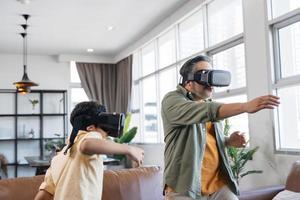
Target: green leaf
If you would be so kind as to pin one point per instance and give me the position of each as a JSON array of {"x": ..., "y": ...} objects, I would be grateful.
[
  {"x": 226, "y": 127},
  {"x": 119, "y": 157},
  {"x": 251, "y": 172},
  {"x": 238, "y": 157},
  {"x": 127, "y": 122},
  {"x": 128, "y": 136}
]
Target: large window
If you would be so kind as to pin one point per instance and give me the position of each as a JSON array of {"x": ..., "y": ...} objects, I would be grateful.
[
  {"x": 148, "y": 59},
  {"x": 156, "y": 65},
  {"x": 281, "y": 7},
  {"x": 289, "y": 43},
  {"x": 286, "y": 84},
  {"x": 191, "y": 35},
  {"x": 233, "y": 60},
  {"x": 240, "y": 122},
  {"x": 225, "y": 20},
  {"x": 76, "y": 91},
  {"x": 167, "y": 49}
]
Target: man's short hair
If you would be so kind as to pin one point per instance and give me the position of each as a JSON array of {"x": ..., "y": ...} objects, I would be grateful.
[{"x": 188, "y": 66}]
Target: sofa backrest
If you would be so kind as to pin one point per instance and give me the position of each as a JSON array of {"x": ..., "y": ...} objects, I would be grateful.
[
  {"x": 20, "y": 188},
  {"x": 293, "y": 179},
  {"x": 143, "y": 183}
]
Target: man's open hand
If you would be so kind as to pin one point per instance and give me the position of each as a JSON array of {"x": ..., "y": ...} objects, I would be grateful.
[{"x": 262, "y": 102}]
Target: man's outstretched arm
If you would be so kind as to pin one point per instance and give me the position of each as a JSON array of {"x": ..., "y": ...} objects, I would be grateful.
[{"x": 257, "y": 104}]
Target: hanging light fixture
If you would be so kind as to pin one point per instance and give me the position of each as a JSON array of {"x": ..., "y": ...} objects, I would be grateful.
[{"x": 24, "y": 85}]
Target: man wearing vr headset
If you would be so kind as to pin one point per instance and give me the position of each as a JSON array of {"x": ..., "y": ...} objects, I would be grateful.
[
  {"x": 196, "y": 164},
  {"x": 77, "y": 171}
]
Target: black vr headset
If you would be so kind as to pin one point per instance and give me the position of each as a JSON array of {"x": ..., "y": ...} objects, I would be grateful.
[
  {"x": 218, "y": 78},
  {"x": 113, "y": 123}
]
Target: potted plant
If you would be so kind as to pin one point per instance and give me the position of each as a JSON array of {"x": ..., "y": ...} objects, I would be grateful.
[
  {"x": 33, "y": 102},
  {"x": 239, "y": 157},
  {"x": 127, "y": 137}
]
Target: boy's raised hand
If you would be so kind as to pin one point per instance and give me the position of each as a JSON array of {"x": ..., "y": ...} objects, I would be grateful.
[{"x": 136, "y": 154}]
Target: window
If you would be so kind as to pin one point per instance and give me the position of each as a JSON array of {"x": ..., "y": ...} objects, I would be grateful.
[
  {"x": 167, "y": 81},
  {"x": 289, "y": 43},
  {"x": 191, "y": 35},
  {"x": 289, "y": 117},
  {"x": 150, "y": 109},
  {"x": 166, "y": 47},
  {"x": 156, "y": 65},
  {"x": 286, "y": 83},
  {"x": 280, "y": 7},
  {"x": 148, "y": 59},
  {"x": 135, "y": 98},
  {"x": 225, "y": 20},
  {"x": 233, "y": 60},
  {"x": 240, "y": 122},
  {"x": 74, "y": 74},
  {"x": 77, "y": 93}
]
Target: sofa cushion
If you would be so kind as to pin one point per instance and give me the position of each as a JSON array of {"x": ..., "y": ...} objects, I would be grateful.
[
  {"x": 133, "y": 184},
  {"x": 287, "y": 195},
  {"x": 20, "y": 188}
]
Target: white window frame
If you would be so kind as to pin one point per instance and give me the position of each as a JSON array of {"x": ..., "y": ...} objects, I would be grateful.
[{"x": 274, "y": 25}]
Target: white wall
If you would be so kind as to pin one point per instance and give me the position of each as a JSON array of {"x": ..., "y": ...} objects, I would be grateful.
[{"x": 45, "y": 70}]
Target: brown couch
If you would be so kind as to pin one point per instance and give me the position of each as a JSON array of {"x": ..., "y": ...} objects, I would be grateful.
[
  {"x": 268, "y": 193},
  {"x": 129, "y": 184}
]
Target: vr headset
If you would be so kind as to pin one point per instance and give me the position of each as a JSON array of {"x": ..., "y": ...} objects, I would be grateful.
[
  {"x": 218, "y": 78},
  {"x": 112, "y": 123}
]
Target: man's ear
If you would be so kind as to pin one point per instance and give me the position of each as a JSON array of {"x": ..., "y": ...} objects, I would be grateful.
[{"x": 188, "y": 84}]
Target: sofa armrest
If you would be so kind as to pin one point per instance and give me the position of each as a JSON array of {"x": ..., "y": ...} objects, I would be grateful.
[{"x": 266, "y": 193}]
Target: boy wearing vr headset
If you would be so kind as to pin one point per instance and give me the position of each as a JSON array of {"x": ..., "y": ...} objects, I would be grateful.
[
  {"x": 196, "y": 164},
  {"x": 77, "y": 171}
]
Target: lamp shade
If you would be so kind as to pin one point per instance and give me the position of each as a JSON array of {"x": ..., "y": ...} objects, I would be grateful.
[{"x": 24, "y": 86}]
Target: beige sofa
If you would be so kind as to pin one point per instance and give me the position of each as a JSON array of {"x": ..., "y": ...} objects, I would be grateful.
[{"x": 143, "y": 183}]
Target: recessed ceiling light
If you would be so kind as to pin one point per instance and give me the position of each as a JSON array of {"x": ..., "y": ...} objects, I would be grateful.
[
  {"x": 24, "y": 1},
  {"x": 90, "y": 50},
  {"x": 110, "y": 28}
]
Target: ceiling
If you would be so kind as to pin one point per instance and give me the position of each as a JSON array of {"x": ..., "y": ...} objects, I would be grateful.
[{"x": 71, "y": 26}]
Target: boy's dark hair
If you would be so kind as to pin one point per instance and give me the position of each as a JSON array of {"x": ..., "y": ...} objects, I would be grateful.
[
  {"x": 82, "y": 117},
  {"x": 188, "y": 66}
]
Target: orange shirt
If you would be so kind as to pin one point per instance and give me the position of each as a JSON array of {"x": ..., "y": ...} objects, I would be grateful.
[{"x": 212, "y": 179}]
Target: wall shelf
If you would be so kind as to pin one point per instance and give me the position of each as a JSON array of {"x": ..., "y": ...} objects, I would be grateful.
[{"x": 25, "y": 128}]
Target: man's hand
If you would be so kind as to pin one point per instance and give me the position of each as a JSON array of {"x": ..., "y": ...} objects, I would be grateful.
[
  {"x": 257, "y": 104},
  {"x": 136, "y": 154},
  {"x": 262, "y": 102},
  {"x": 236, "y": 139}
]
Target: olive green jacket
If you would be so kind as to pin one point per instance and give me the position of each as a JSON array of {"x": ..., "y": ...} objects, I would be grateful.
[{"x": 185, "y": 138}]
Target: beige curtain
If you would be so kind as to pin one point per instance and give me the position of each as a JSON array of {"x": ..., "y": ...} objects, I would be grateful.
[
  {"x": 110, "y": 84},
  {"x": 124, "y": 83}
]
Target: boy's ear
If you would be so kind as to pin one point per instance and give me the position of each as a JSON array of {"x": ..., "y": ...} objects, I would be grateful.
[{"x": 91, "y": 128}]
